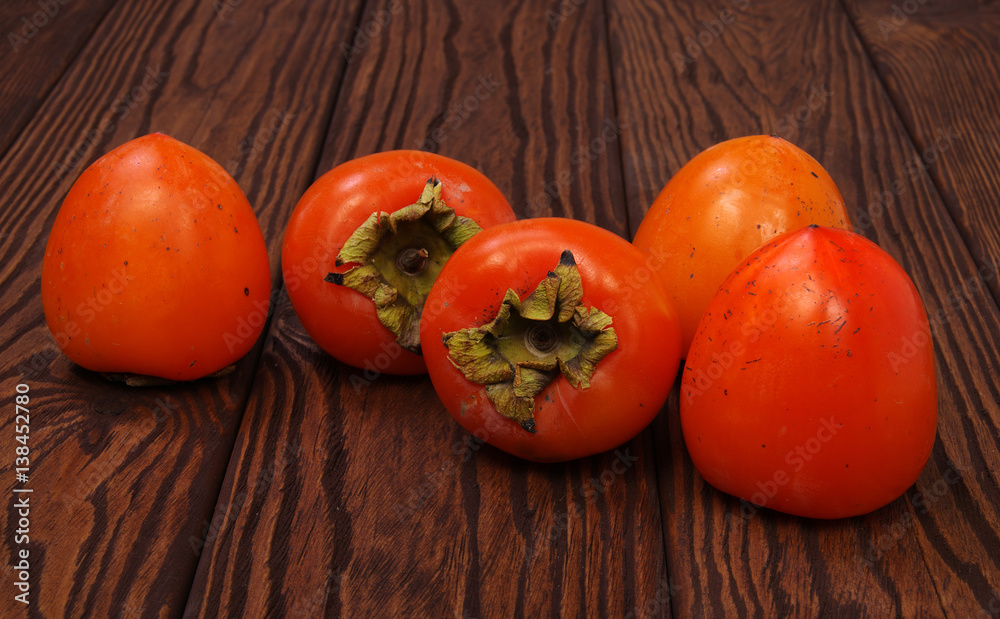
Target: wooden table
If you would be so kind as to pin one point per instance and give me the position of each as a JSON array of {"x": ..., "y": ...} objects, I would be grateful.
[{"x": 284, "y": 490}]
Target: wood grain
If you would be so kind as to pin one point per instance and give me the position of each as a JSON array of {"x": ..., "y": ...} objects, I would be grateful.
[
  {"x": 299, "y": 487},
  {"x": 42, "y": 39},
  {"x": 935, "y": 58},
  {"x": 390, "y": 506},
  {"x": 751, "y": 69},
  {"x": 125, "y": 480}
]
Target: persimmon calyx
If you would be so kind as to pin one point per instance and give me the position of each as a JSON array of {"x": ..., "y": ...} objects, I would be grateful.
[
  {"x": 533, "y": 341},
  {"x": 397, "y": 256}
]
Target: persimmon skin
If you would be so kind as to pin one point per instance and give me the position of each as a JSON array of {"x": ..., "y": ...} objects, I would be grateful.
[
  {"x": 342, "y": 321},
  {"x": 156, "y": 265},
  {"x": 629, "y": 386},
  {"x": 726, "y": 202},
  {"x": 810, "y": 387}
]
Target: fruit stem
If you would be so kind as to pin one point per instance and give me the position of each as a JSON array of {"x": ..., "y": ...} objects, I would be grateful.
[{"x": 532, "y": 341}]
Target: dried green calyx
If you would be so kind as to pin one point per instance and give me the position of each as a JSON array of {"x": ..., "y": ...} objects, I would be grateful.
[
  {"x": 398, "y": 256},
  {"x": 532, "y": 341}
]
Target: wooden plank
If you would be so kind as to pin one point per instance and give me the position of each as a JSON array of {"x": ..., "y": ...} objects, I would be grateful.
[
  {"x": 382, "y": 505},
  {"x": 125, "y": 480},
  {"x": 691, "y": 74},
  {"x": 938, "y": 61},
  {"x": 42, "y": 39}
]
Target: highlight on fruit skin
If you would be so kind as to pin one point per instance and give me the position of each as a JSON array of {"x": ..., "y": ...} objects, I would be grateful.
[
  {"x": 724, "y": 203},
  {"x": 365, "y": 243},
  {"x": 810, "y": 387},
  {"x": 155, "y": 269},
  {"x": 550, "y": 348}
]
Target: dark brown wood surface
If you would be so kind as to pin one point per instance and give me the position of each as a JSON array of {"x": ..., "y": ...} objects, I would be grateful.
[
  {"x": 113, "y": 468},
  {"x": 901, "y": 558},
  {"x": 292, "y": 488},
  {"x": 42, "y": 40}
]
